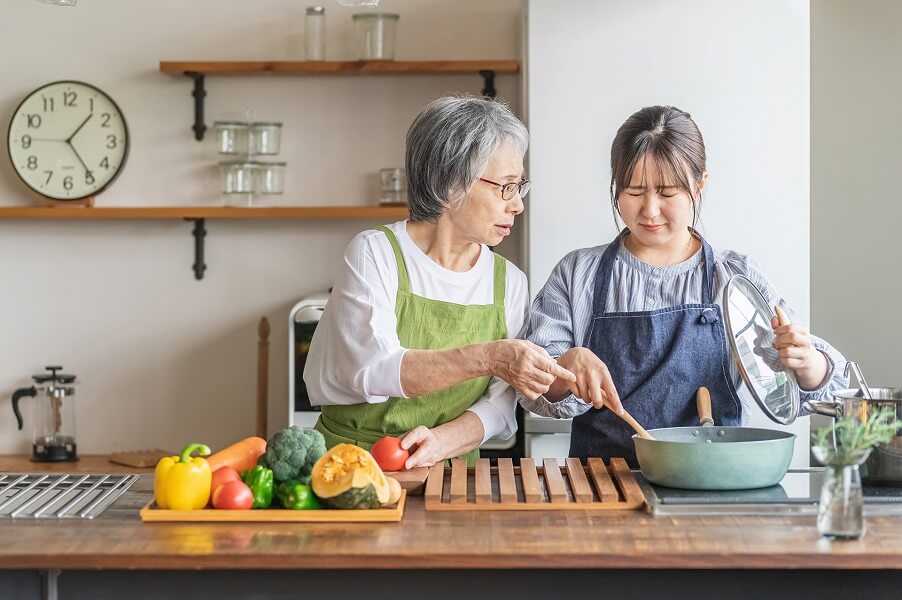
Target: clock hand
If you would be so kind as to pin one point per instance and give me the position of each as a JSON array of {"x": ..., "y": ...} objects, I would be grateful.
[
  {"x": 78, "y": 156},
  {"x": 34, "y": 139},
  {"x": 69, "y": 139}
]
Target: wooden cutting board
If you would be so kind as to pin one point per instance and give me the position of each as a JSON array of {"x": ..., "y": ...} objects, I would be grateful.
[
  {"x": 150, "y": 513},
  {"x": 413, "y": 480},
  {"x": 140, "y": 458},
  {"x": 574, "y": 486}
]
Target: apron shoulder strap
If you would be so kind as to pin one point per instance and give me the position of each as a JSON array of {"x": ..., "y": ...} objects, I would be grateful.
[
  {"x": 403, "y": 279},
  {"x": 500, "y": 279},
  {"x": 708, "y": 283},
  {"x": 603, "y": 275}
]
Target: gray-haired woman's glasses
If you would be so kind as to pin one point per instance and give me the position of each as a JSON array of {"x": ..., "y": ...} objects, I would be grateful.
[{"x": 509, "y": 189}]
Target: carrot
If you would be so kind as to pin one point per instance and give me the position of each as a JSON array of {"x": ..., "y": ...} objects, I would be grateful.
[{"x": 241, "y": 455}]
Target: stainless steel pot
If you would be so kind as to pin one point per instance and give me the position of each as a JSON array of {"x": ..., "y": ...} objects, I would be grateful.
[{"x": 884, "y": 465}]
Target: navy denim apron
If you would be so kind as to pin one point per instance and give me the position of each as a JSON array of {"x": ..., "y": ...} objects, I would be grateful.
[{"x": 658, "y": 359}]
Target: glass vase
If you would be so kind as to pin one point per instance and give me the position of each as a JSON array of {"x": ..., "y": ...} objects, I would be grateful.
[{"x": 840, "y": 511}]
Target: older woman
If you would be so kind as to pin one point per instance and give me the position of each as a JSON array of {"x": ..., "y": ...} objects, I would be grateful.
[{"x": 413, "y": 340}]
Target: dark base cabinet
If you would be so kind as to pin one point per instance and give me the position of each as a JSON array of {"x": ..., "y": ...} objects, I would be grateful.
[{"x": 437, "y": 584}]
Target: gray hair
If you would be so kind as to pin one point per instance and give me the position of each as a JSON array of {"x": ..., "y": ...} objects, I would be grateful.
[{"x": 449, "y": 145}]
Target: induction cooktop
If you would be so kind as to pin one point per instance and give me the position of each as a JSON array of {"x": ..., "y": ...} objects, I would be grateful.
[{"x": 797, "y": 493}]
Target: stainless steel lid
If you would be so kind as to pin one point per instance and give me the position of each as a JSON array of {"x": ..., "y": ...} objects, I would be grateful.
[{"x": 751, "y": 337}]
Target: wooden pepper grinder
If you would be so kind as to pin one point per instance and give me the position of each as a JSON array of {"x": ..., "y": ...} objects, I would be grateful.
[{"x": 262, "y": 376}]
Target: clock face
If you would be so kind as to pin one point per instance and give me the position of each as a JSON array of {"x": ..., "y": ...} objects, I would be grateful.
[{"x": 68, "y": 140}]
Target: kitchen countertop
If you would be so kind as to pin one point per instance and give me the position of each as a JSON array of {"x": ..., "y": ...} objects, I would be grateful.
[{"x": 471, "y": 540}]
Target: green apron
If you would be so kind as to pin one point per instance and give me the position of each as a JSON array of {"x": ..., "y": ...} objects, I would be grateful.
[{"x": 423, "y": 324}]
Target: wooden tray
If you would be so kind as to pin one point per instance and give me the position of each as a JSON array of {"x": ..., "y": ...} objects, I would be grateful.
[
  {"x": 151, "y": 513},
  {"x": 549, "y": 487}
]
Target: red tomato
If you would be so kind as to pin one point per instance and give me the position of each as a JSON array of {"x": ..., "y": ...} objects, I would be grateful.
[
  {"x": 389, "y": 454},
  {"x": 234, "y": 495},
  {"x": 223, "y": 475}
]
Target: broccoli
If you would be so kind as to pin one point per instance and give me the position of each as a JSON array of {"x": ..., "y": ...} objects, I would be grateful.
[{"x": 292, "y": 452}]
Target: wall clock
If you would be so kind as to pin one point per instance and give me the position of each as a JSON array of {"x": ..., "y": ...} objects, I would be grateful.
[{"x": 68, "y": 140}]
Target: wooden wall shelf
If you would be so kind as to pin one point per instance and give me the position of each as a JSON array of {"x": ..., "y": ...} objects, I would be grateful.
[
  {"x": 199, "y": 214},
  {"x": 204, "y": 212},
  {"x": 357, "y": 67},
  {"x": 198, "y": 70}
]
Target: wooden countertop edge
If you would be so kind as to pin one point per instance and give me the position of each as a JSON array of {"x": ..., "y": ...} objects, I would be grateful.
[{"x": 774, "y": 561}]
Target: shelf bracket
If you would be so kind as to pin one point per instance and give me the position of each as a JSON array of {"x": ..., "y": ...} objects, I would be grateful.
[
  {"x": 488, "y": 84},
  {"x": 199, "y": 94},
  {"x": 199, "y": 232}
]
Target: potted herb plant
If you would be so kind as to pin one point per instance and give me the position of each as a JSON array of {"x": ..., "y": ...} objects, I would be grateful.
[{"x": 842, "y": 448}]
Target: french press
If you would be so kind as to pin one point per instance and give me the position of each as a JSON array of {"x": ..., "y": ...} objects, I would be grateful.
[{"x": 54, "y": 415}]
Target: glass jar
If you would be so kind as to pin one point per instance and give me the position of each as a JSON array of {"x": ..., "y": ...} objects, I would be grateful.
[
  {"x": 315, "y": 33},
  {"x": 231, "y": 137},
  {"x": 237, "y": 177},
  {"x": 840, "y": 510},
  {"x": 392, "y": 186},
  {"x": 265, "y": 137},
  {"x": 270, "y": 178},
  {"x": 375, "y": 34}
]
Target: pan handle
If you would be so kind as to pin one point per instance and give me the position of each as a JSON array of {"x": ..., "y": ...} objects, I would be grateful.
[
  {"x": 828, "y": 409},
  {"x": 703, "y": 404}
]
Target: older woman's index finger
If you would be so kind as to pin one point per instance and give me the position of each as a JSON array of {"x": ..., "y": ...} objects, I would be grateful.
[{"x": 561, "y": 373}]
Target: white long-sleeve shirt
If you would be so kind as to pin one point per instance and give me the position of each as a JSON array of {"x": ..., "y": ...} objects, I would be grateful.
[{"x": 355, "y": 356}]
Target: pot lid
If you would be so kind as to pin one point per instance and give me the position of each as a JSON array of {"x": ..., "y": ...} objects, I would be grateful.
[
  {"x": 751, "y": 337},
  {"x": 53, "y": 376}
]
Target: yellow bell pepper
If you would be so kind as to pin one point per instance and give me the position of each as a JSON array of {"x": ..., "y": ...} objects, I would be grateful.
[{"x": 183, "y": 482}]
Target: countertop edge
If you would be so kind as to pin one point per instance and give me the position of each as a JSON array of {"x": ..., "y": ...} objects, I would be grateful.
[{"x": 703, "y": 561}]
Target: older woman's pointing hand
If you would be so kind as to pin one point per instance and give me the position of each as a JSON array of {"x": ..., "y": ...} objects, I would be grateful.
[{"x": 528, "y": 368}]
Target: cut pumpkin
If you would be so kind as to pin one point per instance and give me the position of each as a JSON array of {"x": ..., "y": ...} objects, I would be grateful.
[
  {"x": 394, "y": 487},
  {"x": 347, "y": 476}
]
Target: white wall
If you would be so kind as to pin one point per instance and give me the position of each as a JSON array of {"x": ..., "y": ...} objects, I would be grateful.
[
  {"x": 740, "y": 68},
  {"x": 855, "y": 208},
  {"x": 164, "y": 359}
]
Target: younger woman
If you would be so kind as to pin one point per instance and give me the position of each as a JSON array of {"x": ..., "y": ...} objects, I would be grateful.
[{"x": 638, "y": 321}]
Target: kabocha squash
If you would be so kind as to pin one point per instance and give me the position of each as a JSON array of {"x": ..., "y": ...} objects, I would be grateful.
[
  {"x": 347, "y": 476},
  {"x": 394, "y": 487}
]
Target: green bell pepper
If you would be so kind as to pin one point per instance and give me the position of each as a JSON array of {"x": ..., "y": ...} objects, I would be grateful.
[
  {"x": 297, "y": 496},
  {"x": 260, "y": 480}
]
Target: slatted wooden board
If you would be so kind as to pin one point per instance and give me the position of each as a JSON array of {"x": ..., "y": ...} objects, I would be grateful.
[{"x": 573, "y": 486}]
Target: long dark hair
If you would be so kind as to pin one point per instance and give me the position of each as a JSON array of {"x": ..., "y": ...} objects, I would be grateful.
[{"x": 666, "y": 135}]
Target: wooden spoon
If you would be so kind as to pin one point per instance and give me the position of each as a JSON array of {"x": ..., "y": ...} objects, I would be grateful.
[{"x": 628, "y": 418}]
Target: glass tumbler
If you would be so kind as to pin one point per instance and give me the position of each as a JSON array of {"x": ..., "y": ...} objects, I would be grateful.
[{"x": 375, "y": 34}]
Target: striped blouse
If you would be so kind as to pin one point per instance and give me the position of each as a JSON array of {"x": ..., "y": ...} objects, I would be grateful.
[{"x": 562, "y": 311}]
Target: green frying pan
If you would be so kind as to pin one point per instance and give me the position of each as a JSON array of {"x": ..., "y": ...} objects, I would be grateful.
[{"x": 708, "y": 457}]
